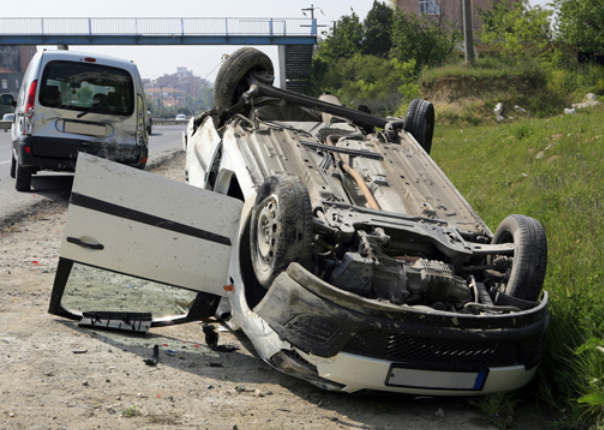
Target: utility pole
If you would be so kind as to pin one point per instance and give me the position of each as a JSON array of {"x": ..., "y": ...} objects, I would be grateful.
[
  {"x": 161, "y": 95},
  {"x": 312, "y": 11},
  {"x": 467, "y": 30}
]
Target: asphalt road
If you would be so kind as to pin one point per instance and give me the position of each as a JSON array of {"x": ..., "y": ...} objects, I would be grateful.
[{"x": 56, "y": 186}]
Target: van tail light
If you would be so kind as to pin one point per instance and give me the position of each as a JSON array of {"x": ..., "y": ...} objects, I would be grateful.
[{"x": 29, "y": 108}]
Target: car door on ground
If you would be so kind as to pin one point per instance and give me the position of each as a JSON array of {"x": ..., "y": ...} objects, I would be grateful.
[{"x": 137, "y": 242}]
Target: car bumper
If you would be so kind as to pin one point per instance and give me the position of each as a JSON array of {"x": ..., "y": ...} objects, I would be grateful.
[
  {"x": 51, "y": 153},
  {"x": 355, "y": 373},
  {"x": 358, "y": 343}
]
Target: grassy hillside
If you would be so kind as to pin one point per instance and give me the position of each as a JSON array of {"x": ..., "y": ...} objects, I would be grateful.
[
  {"x": 468, "y": 93},
  {"x": 552, "y": 170}
]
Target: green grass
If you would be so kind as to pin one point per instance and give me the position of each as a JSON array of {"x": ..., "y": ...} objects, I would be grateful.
[
  {"x": 496, "y": 168},
  {"x": 484, "y": 68},
  {"x": 131, "y": 412},
  {"x": 497, "y": 408}
]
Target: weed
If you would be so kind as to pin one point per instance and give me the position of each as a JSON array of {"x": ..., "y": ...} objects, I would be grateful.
[
  {"x": 498, "y": 408},
  {"x": 521, "y": 130},
  {"x": 131, "y": 412},
  {"x": 385, "y": 408}
]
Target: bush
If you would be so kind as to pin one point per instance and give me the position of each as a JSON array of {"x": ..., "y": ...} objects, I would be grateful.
[{"x": 376, "y": 82}]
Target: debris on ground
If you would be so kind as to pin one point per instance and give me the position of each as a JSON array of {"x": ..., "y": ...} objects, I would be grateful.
[
  {"x": 499, "y": 112},
  {"x": 211, "y": 335},
  {"x": 590, "y": 101},
  {"x": 520, "y": 109},
  {"x": 212, "y": 340},
  {"x": 153, "y": 360}
]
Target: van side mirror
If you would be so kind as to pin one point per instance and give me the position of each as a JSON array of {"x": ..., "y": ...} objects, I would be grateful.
[{"x": 7, "y": 99}]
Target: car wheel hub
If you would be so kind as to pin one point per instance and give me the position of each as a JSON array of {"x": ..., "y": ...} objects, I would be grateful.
[{"x": 267, "y": 228}]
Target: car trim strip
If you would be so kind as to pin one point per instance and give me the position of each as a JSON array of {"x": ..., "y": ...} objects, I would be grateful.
[{"x": 134, "y": 215}]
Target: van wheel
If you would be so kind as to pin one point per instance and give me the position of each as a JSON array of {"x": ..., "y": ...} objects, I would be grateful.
[
  {"x": 23, "y": 178},
  {"x": 527, "y": 267},
  {"x": 281, "y": 228},
  {"x": 13, "y": 166},
  {"x": 231, "y": 80},
  {"x": 420, "y": 123}
]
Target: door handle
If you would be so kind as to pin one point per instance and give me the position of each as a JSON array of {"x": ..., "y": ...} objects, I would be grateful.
[{"x": 76, "y": 241}]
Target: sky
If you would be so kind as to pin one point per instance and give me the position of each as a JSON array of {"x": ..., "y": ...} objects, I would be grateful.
[{"x": 155, "y": 61}]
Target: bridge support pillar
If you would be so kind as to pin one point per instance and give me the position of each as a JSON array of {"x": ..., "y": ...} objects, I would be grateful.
[
  {"x": 62, "y": 47},
  {"x": 282, "y": 80}
]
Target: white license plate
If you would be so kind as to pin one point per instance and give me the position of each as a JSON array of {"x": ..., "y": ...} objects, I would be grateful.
[
  {"x": 87, "y": 129},
  {"x": 436, "y": 379}
]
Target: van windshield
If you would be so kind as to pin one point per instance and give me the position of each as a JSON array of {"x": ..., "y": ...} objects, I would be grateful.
[{"x": 82, "y": 86}]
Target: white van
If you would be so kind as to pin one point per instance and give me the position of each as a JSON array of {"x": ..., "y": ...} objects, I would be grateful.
[{"x": 72, "y": 102}]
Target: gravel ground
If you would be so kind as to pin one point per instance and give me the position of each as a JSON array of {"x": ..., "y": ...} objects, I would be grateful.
[{"x": 55, "y": 375}]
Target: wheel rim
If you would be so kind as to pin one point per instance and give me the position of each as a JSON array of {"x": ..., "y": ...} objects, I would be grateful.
[{"x": 267, "y": 228}]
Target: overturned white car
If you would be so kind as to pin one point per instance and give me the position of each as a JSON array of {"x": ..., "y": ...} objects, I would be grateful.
[{"x": 343, "y": 252}]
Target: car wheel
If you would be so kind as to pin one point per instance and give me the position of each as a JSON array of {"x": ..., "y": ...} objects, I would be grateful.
[
  {"x": 230, "y": 81},
  {"x": 281, "y": 229},
  {"x": 420, "y": 122},
  {"x": 23, "y": 178},
  {"x": 13, "y": 166},
  {"x": 527, "y": 267}
]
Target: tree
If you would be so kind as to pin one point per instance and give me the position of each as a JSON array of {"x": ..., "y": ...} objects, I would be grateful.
[
  {"x": 421, "y": 39},
  {"x": 346, "y": 39},
  {"x": 581, "y": 23},
  {"x": 376, "y": 82},
  {"x": 376, "y": 30},
  {"x": 516, "y": 29}
]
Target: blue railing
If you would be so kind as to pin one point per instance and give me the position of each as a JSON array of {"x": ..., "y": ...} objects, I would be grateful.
[{"x": 53, "y": 28}]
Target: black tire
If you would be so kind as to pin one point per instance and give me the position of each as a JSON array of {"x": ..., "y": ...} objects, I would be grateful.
[
  {"x": 420, "y": 123},
  {"x": 23, "y": 178},
  {"x": 281, "y": 229},
  {"x": 13, "y": 166},
  {"x": 231, "y": 80},
  {"x": 530, "y": 255}
]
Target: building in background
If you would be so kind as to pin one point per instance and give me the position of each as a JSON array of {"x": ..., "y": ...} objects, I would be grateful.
[
  {"x": 446, "y": 12},
  {"x": 13, "y": 63},
  {"x": 180, "y": 90}
]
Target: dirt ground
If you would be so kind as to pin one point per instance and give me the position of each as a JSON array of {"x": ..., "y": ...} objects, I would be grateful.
[{"x": 55, "y": 375}]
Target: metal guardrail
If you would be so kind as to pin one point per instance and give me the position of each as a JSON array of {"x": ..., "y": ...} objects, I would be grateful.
[
  {"x": 160, "y": 121},
  {"x": 175, "y": 27}
]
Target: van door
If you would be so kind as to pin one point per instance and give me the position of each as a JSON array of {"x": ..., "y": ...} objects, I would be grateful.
[{"x": 136, "y": 243}]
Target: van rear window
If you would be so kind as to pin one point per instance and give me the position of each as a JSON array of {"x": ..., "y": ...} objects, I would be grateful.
[{"x": 83, "y": 86}]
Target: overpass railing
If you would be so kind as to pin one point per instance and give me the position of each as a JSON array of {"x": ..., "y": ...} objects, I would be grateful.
[{"x": 181, "y": 27}]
